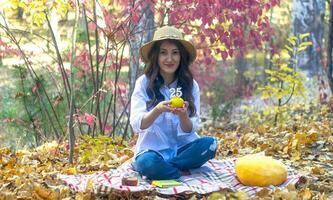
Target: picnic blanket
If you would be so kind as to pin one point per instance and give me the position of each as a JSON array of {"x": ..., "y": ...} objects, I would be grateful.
[{"x": 215, "y": 175}]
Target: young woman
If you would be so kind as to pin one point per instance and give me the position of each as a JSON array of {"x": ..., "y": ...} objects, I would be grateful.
[{"x": 168, "y": 145}]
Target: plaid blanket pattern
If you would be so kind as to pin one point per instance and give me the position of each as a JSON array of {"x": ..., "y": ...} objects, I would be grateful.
[{"x": 215, "y": 175}]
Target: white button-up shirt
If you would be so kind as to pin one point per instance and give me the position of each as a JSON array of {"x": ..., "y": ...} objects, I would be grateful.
[{"x": 165, "y": 134}]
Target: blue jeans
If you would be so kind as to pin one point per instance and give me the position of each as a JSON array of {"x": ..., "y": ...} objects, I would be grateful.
[{"x": 193, "y": 155}]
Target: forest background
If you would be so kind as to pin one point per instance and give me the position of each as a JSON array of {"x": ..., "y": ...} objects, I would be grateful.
[{"x": 68, "y": 69}]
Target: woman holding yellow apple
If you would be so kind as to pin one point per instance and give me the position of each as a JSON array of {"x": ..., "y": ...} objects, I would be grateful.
[{"x": 165, "y": 110}]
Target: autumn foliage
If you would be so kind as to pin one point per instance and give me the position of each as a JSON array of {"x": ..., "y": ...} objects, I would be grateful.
[{"x": 90, "y": 74}]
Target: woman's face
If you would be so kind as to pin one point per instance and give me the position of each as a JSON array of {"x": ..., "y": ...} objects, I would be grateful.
[{"x": 168, "y": 58}]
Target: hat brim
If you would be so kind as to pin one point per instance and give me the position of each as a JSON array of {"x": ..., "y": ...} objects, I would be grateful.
[{"x": 145, "y": 49}]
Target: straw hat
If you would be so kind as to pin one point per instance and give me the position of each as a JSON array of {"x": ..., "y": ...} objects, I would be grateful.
[{"x": 163, "y": 33}]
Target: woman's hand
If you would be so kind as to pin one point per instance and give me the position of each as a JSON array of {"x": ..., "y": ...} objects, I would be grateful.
[
  {"x": 163, "y": 106},
  {"x": 181, "y": 112}
]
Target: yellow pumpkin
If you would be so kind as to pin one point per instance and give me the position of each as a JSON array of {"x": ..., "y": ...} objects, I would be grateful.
[
  {"x": 259, "y": 170},
  {"x": 176, "y": 102}
]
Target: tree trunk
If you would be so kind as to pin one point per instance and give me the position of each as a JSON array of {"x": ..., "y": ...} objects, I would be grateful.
[
  {"x": 241, "y": 80},
  {"x": 0, "y": 54},
  {"x": 142, "y": 33},
  {"x": 308, "y": 17},
  {"x": 2, "y": 16},
  {"x": 20, "y": 12},
  {"x": 55, "y": 29},
  {"x": 330, "y": 49}
]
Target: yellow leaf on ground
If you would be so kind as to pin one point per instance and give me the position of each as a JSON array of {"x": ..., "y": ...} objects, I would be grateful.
[
  {"x": 7, "y": 196},
  {"x": 318, "y": 170},
  {"x": 262, "y": 129},
  {"x": 45, "y": 193},
  {"x": 83, "y": 196},
  {"x": 305, "y": 193},
  {"x": 71, "y": 171}
]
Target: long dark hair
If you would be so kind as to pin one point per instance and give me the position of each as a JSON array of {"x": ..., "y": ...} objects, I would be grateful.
[{"x": 156, "y": 81}]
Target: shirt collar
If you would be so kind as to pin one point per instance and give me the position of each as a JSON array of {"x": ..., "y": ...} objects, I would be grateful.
[{"x": 173, "y": 84}]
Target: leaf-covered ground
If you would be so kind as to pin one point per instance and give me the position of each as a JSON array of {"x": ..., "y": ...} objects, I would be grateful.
[{"x": 305, "y": 143}]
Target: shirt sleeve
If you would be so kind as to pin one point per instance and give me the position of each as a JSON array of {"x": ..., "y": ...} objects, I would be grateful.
[
  {"x": 195, "y": 119},
  {"x": 138, "y": 105}
]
